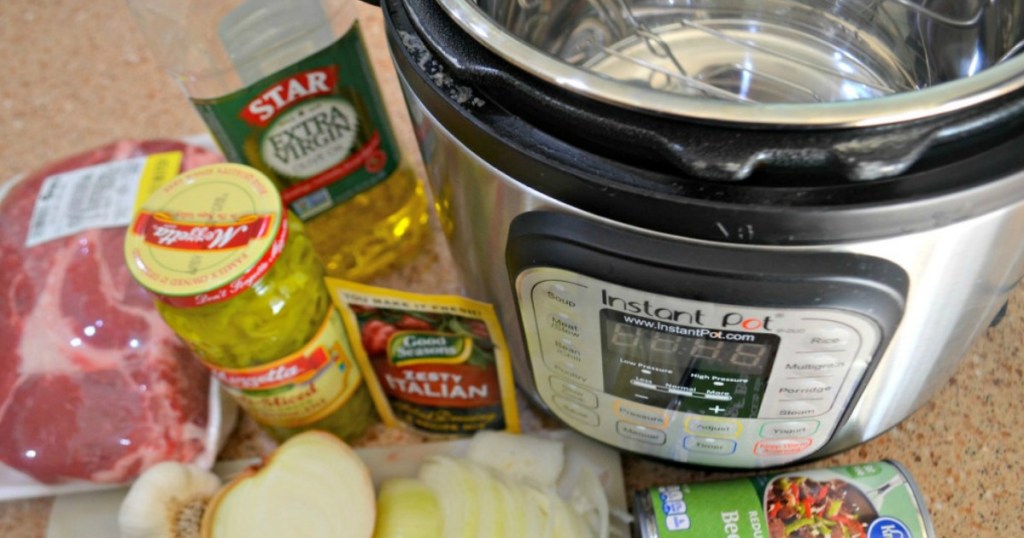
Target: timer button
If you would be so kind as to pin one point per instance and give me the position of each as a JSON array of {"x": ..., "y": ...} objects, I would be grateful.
[{"x": 709, "y": 445}]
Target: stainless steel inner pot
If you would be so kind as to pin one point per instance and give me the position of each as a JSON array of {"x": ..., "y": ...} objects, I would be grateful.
[{"x": 838, "y": 63}]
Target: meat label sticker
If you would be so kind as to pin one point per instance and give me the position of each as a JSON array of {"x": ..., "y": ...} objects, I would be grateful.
[
  {"x": 437, "y": 365},
  {"x": 100, "y": 196}
]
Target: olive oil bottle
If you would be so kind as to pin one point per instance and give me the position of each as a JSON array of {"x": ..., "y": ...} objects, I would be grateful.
[{"x": 287, "y": 87}]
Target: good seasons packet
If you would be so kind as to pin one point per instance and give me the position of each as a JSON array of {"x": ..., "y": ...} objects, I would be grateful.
[{"x": 439, "y": 363}]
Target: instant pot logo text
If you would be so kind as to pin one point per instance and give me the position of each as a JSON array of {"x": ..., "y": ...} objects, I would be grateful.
[{"x": 729, "y": 320}]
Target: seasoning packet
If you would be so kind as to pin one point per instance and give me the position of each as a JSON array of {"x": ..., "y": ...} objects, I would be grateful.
[{"x": 435, "y": 364}]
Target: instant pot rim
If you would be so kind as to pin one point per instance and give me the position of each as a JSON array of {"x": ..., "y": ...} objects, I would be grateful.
[{"x": 901, "y": 108}]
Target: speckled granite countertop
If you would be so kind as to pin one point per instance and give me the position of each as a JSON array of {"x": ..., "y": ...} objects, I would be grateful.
[{"x": 77, "y": 75}]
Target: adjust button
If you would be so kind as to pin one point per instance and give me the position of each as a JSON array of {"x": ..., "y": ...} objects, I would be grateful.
[{"x": 713, "y": 427}]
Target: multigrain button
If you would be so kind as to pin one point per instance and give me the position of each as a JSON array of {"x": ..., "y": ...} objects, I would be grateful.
[{"x": 815, "y": 365}]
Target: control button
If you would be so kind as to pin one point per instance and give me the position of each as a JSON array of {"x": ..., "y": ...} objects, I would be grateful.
[
  {"x": 708, "y": 445},
  {"x": 802, "y": 408},
  {"x": 789, "y": 429},
  {"x": 713, "y": 427},
  {"x": 569, "y": 369},
  {"x": 640, "y": 433},
  {"x": 559, "y": 294},
  {"x": 655, "y": 418},
  {"x": 808, "y": 389},
  {"x": 563, "y": 323},
  {"x": 574, "y": 392},
  {"x": 816, "y": 365},
  {"x": 834, "y": 338},
  {"x": 576, "y": 412},
  {"x": 782, "y": 447},
  {"x": 568, "y": 349}
]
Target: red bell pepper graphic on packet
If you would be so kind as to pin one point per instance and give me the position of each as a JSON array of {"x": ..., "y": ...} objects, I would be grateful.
[{"x": 440, "y": 362}]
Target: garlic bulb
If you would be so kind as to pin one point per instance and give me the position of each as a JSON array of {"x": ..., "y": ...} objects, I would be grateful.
[{"x": 167, "y": 501}]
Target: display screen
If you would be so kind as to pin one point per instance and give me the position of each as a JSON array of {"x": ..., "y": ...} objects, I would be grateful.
[{"x": 694, "y": 369}]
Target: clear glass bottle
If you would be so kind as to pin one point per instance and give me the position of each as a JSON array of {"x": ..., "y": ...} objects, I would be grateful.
[{"x": 286, "y": 86}]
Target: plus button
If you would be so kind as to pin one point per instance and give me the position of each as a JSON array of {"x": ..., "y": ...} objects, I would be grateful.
[{"x": 716, "y": 409}]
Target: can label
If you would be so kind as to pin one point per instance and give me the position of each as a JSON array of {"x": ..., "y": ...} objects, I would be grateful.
[
  {"x": 300, "y": 388},
  {"x": 318, "y": 128},
  {"x": 873, "y": 500}
]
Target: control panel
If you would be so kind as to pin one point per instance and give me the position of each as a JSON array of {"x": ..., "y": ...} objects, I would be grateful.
[{"x": 692, "y": 381}]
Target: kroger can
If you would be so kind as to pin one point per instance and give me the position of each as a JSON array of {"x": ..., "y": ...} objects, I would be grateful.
[{"x": 869, "y": 500}]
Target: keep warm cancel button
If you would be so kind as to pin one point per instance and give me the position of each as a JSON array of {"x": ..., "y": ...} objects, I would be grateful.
[{"x": 782, "y": 447}]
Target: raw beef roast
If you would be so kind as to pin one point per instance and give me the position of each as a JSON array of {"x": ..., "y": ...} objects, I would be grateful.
[{"x": 93, "y": 385}]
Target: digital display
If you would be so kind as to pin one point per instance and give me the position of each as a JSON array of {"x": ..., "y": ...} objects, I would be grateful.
[{"x": 695, "y": 369}]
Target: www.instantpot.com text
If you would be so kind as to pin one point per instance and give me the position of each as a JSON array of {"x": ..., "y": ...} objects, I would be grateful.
[{"x": 698, "y": 332}]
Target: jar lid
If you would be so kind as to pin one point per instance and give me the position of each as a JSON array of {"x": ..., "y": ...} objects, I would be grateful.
[{"x": 207, "y": 235}]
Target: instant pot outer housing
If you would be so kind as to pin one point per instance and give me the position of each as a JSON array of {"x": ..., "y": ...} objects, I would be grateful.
[{"x": 878, "y": 193}]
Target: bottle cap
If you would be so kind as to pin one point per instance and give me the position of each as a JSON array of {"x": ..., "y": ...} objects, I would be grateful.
[{"x": 207, "y": 235}]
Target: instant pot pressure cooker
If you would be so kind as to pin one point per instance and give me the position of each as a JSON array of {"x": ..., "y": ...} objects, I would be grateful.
[{"x": 726, "y": 233}]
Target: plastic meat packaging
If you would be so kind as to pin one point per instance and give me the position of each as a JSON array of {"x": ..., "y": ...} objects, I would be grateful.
[{"x": 94, "y": 387}]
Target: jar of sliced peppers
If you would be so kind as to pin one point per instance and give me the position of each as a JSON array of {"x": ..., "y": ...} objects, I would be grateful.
[{"x": 236, "y": 277}]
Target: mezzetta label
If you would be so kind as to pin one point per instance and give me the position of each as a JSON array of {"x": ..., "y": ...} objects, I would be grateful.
[{"x": 300, "y": 388}]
